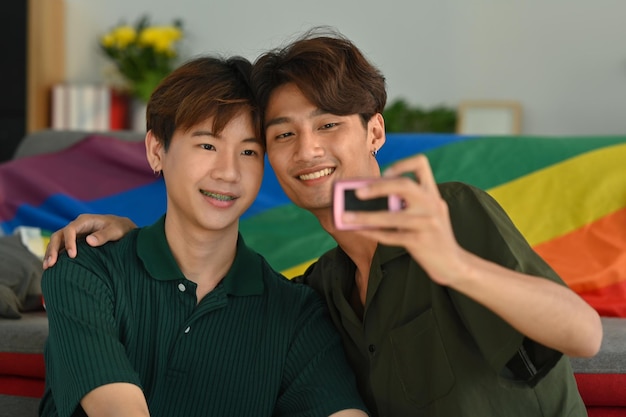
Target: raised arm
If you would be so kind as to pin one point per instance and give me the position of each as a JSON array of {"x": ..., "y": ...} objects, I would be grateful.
[
  {"x": 540, "y": 308},
  {"x": 98, "y": 228}
]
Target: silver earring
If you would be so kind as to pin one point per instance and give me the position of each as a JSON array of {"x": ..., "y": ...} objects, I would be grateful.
[{"x": 374, "y": 153}]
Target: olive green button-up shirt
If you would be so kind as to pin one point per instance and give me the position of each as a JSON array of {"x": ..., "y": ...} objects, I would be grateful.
[{"x": 422, "y": 349}]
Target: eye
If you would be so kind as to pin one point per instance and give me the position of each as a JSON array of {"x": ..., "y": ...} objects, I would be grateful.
[
  {"x": 207, "y": 146},
  {"x": 250, "y": 152},
  {"x": 284, "y": 135},
  {"x": 329, "y": 125}
]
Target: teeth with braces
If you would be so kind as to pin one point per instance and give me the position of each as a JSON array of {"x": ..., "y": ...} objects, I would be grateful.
[{"x": 220, "y": 197}]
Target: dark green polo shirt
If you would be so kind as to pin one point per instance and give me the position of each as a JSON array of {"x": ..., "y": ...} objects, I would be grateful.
[
  {"x": 425, "y": 350},
  {"x": 257, "y": 345}
]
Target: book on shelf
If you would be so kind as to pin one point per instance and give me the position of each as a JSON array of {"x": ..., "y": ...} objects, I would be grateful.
[{"x": 88, "y": 107}]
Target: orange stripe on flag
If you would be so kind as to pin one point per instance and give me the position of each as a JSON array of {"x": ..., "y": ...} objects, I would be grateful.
[{"x": 591, "y": 257}]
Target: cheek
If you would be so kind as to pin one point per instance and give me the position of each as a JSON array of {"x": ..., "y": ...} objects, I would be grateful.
[
  {"x": 278, "y": 152},
  {"x": 254, "y": 172},
  {"x": 274, "y": 159},
  {"x": 279, "y": 162}
]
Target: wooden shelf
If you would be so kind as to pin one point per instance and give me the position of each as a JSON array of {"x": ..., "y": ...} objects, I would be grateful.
[{"x": 45, "y": 59}]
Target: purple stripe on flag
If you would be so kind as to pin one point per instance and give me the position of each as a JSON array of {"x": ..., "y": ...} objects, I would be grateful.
[{"x": 93, "y": 168}]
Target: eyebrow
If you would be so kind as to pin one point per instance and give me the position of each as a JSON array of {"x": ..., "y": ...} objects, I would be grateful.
[
  {"x": 211, "y": 134},
  {"x": 281, "y": 120},
  {"x": 204, "y": 133}
]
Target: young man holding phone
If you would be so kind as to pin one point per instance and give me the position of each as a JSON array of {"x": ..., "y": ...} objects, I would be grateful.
[{"x": 443, "y": 307}]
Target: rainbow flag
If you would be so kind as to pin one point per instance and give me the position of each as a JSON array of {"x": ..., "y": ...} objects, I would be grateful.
[{"x": 567, "y": 195}]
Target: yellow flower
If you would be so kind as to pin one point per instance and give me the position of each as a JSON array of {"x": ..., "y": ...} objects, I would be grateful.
[
  {"x": 120, "y": 37},
  {"x": 143, "y": 54},
  {"x": 161, "y": 38}
]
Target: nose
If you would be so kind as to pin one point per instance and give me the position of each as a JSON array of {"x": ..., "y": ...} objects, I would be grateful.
[
  {"x": 226, "y": 168},
  {"x": 309, "y": 146}
]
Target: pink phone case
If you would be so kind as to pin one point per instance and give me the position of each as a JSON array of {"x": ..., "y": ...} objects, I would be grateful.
[{"x": 342, "y": 196}]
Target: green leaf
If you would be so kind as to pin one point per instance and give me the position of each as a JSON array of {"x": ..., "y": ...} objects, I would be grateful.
[
  {"x": 401, "y": 117},
  {"x": 143, "y": 88}
]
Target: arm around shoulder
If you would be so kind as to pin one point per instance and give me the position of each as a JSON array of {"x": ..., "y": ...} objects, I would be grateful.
[{"x": 98, "y": 229}]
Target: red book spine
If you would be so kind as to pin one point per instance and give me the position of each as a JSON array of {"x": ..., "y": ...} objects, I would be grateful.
[{"x": 119, "y": 110}]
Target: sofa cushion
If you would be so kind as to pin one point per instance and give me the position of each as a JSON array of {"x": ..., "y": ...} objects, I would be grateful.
[
  {"x": 22, "y": 370},
  {"x": 20, "y": 278},
  {"x": 602, "y": 378},
  {"x": 18, "y": 406}
]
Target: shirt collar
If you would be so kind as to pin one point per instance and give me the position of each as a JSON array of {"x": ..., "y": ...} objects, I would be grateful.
[
  {"x": 387, "y": 253},
  {"x": 383, "y": 253},
  {"x": 245, "y": 276}
]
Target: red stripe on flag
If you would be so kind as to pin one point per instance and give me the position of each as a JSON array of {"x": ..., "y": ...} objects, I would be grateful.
[{"x": 608, "y": 301}]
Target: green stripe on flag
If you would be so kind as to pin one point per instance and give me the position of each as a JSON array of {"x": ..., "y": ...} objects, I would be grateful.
[
  {"x": 507, "y": 158},
  {"x": 286, "y": 236}
]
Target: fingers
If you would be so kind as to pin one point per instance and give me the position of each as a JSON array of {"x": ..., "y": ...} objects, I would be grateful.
[
  {"x": 421, "y": 201},
  {"x": 58, "y": 242},
  {"x": 52, "y": 250},
  {"x": 400, "y": 186},
  {"x": 403, "y": 220},
  {"x": 104, "y": 228},
  {"x": 62, "y": 239},
  {"x": 108, "y": 232},
  {"x": 396, "y": 181},
  {"x": 417, "y": 165}
]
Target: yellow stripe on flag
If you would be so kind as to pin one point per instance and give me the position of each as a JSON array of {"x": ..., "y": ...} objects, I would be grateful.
[
  {"x": 566, "y": 196},
  {"x": 297, "y": 270}
]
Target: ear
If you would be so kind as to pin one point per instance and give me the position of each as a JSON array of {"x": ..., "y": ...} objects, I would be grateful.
[
  {"x": 154, "y": 152},
  {"x": 376, "y": 129}
]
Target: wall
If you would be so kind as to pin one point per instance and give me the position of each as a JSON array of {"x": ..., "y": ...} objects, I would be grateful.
[{"x": 564, "y": 60}]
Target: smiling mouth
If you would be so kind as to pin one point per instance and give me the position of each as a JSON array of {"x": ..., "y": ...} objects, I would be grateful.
[
  {"x": 220, "y": 197},
  {"x": 318, "y": 174}
]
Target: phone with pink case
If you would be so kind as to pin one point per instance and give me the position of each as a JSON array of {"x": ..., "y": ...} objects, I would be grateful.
[{"x": 345, "y": 199}]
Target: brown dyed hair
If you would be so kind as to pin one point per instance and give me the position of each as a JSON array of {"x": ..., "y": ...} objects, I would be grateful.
[
  {"x": 329, "y": 69},
  {"x": 201, "y": 88}
]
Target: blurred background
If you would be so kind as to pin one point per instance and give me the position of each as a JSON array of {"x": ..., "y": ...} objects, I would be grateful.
[{"x": 562, "y": 61}]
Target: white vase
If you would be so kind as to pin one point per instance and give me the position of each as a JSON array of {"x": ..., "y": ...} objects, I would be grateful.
[{"x": 138, "y": 115}]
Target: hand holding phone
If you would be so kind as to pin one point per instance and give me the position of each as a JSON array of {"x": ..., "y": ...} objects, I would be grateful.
[{"x": 345, "y": 199}]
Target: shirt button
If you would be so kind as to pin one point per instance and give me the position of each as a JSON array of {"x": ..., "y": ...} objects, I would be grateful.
[
  {"x": 187, "y": 329},
  {"x": 371, "y": 348},
  {"x": 181, "y": 287}
]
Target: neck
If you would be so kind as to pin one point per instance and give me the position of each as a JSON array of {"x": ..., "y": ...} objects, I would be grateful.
[
  {"x": 203, "y": 256},
  {"x": 358, "y": 248}
]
